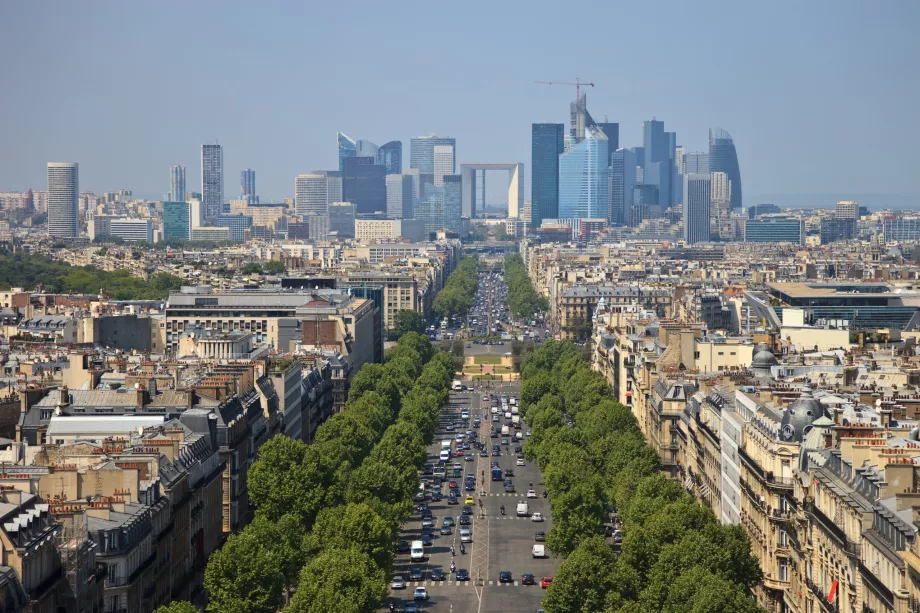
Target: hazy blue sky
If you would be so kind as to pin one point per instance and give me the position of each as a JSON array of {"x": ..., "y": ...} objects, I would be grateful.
[{"x": 820, "y": 96}]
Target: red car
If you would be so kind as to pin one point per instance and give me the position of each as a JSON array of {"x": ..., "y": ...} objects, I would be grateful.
[{"x": 546, "y": 581}]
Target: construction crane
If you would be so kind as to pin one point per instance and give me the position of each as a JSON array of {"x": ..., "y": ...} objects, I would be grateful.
[{"x": 578, "y": 83}]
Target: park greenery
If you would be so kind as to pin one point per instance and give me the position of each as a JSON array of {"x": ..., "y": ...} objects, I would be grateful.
[
  {"x": 675, "y": 558},
  {"x": 33, "y": 271},
  {"x": 523, "y": 299},
  {"x": 406, "y": 321},
  {"x": 327, "y": 515},
  {"x": 456, "y": 297}
]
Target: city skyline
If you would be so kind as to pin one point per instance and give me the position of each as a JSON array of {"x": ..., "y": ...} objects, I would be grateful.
[{"x": 781, "y": 97}]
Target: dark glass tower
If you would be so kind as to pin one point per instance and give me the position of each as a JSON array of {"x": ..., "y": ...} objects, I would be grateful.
[
  {"x": 612, "y": 130},
  {"x": 390, "y": 155},
  {"x": 364, "y": 185},
  {"x": 724, "y": 158},
  {"x": 547, "y": 142}
]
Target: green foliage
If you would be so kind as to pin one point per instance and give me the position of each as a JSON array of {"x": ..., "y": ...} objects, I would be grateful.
[
  {"x": 406, "y": 321},
  {"x": 340, "y": 580},
  {"x": 288, "y": 478},
  {"x": 27, "y": 270},
  {"x": 178, "y": 606},
  {"x": 456, "y": 296},
  {"x": 586, "y": 580},
  {"x": 355, "y": 525},
  {"x": 274, "y": 267},
  {"x": 252, "y": 268},
  {"x": 523, "y": 299}
]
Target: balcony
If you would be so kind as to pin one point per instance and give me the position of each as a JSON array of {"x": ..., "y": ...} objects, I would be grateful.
[
  {"x": 821, "y": 597},
  {"x": 833, "y": 530}
]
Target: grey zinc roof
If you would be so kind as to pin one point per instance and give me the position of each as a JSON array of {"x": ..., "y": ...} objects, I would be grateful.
[{"x": 101, "y": 425}]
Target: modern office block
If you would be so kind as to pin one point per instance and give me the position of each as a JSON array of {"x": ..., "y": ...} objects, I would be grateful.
[
  {"x": 583, "y": 178},
  {"x": 721, "y": 187},
  {"x": 248, "y": 186},
  {"x": 364, "y": 184},
  {"x": 347, "y": 148},
  {"x": 211, "y": 234},
  {"x": 444, "y": 163},
  {"x": 696, "y": 199},
  {"x": 762, "y": 209},
  {"x": 431, "y": 208},
  {"x": 847, "y": 209},
  {"x": 696, "y": 163},
  {"x": 342, "y": 219},
  {"x": 132, "y": 230},
  {"x": 659, "y": 167},
  {"x": 622, "y": 183},
  {"x": 612, "y": 131},
  {"x": 453, "y": 199},
  {"x": 901, "y": 229},
  {"x": 390, "y": 155},
  {"x": 177, "y": 221},
  {"x": 238, "y": 224},
  {"x": 63, "y": 190},
  {"x": 775, "y": 229},
  {"x": 724, "y": 158},
  {"x": 310, "y": 194},
  {"x": 399, "y": 196},
  {"x": 547, "y": 144},
  {"x": 365, "y": 148},
  {"x": 421, "y": 154},
  {"x": 835, "y": 229},
  {"x": 212, "y": 181},
  {"x": 177, "y": 183}
]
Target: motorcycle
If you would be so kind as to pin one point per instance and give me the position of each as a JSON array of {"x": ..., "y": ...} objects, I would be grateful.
[
  {"x": 544, "y": 494},
  {"x": 453, "y": 566},
  {"x": 462, "y": 548},
  {"x": 503, "y": 509}
]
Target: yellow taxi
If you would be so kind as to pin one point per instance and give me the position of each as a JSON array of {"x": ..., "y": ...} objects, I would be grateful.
[{"x": 469, "y": 500}]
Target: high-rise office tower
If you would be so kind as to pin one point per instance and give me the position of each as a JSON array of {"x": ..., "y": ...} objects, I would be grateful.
[
  {"x": 847, "y": 209},
  {"x": 679, "y": 159},
  {"x": 612, "y": 131},
  {"x": 63, "y": 189},
  {"x": 364, "y": 184},
  {"x": 696, "y": 163},
  {"x": 334, "y": 185},
  {"x": 583, "y": 178},
  {"x": 721, "y": 187},
  {"x": 416, "y": 176},
  {"x": 347, "y": 148},
  {"x": 366, "y": 148},
  {"x": 421, "y": 154},
  {"x": 453, "y": 202},
  {"x": 177, "y": 221},
  {"x": 431, "y": 208},
  {"x": 696, "y": 199},
  {"x": 444, "y": 163},
  {"x": 659, "y": 167},
  {"x": 622, "y": 183},
  {"x": 177, "y": 183},
  {"x": 311, "y": 194},
  {"x": 579, "y": 119},
  {"x": 546, "y": 145},
  {"x": 390, "y": 155},
  {"x": 248, "y": 186},
  {"x": 724, "y": 158},
  {"x": 212, "y": 182},
  {"x": 399, "y": 197}
]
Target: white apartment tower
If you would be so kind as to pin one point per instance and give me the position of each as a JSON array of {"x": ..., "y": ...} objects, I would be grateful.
[
  {"x": 444, "y": 163},
  {"x": 311, "y": 193},
  {"x": 212, "y": 182},
  {"x": 63, "y": 189}
]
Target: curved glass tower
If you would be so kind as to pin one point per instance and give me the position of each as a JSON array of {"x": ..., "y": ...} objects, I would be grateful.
[
  {"x": 723, "y": 158},
  {"x": 347, "y": 149},
  {"x": 583, "y": 178}
]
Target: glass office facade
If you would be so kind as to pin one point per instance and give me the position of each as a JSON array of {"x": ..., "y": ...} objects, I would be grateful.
[
  {"x": 547, "y": 141},
  {"x": 176, "y": 220},
  {"x": 724, "y": 158},
  {"x": 583, "y": 178}
]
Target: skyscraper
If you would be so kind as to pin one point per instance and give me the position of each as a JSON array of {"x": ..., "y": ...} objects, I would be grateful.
[
  {"x": 177, "y": 220},
  {"x": 721, "y": 187},
  {"x": 390, "y": 155},
  {"x": 248, "y": 186},
  {"x": 364, "y": 184},
  {"x": 366, "y": 148},
  {"x": 659, "y": 167},
  {"x": 583, "y": 178},
  {"x": 546, "y": 145},
  {"x": 177, "y": 183},
  {"x": 212, "y": 182},
  {"x": 310, "y": 194},
  {"x": 347, "y": 149},
  {"x": 431, "y": 208},
  {"x": 724, "y": 158},
  {"x": 622, "y": 182},
  {"x": 612, "y": 131},
  {"x": 399, "y": 197},
  {"x": 696, "y": 163},
  {"x": 63, "y": 189},
  {"x": 696, "y": 197},
  {"x": 453, "y": 202},
  {"x": 444, "y": 163},
  {"x": 421, "y": 154}
]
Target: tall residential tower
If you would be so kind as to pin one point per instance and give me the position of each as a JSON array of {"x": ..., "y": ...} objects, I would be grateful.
[
  {"x": 212, "y": 182},
  {"x": 63, "y": 189},
  {"x": 177, "y": 183}
]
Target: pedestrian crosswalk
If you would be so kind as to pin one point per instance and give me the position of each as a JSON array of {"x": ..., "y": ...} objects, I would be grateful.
[{"x": 451, "y": 583}]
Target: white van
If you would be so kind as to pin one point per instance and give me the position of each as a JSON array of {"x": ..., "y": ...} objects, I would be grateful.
[
  {"x": 505, "y": 431},
  {"x": 522, "y": 509},
  {"x": 457, "y": 386},
  {"x": 515, "y": 419},
  {"x": 539, "y": 551},
  {"x": 445, "y": 455},
  {"x": 514, "y": 410},
  {"x": 417, "y": 551},
  {"x": 445, "y": 444}
]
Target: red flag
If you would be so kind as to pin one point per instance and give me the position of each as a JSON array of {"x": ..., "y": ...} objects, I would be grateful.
[{"x": 833, "y": 592}]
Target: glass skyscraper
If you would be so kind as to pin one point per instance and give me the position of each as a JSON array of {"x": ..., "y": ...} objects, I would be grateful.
[
  {"x": 399, "y": 197},
  {"x": 238, "y": 225},
  {"x": 622, "y": 183},
  {"x": 390, "y": 155},
  {"x": 364, "y": 184},
  {"x": 421, "y": 154},
  {"x": 659, "y": 166},
  {"x": 547, "y": 142},
  {"x": 724, "y": 158},
  {"x": 177, "y": 183},
  {"x": 431, "y": 208},
  {"x": 248, "y": 186},
  {"x": 177, "y": 222},
  {"x": 696, "y": 208},
  {"x": 775, "y": 229},
  {"x": 453, "y": 198},
  {"x": 63, "y": 190},
  {"x": 212, "y": 182},
  {"x": 347, "y": 149},
  {"x": 583, "y": 178}
]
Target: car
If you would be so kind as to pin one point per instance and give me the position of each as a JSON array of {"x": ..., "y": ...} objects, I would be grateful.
[
  {"x": 411, "y": 607},
  {"x": 452, "y": 485},
  {"x": 469, "y": 500},
  {"x": 527, "y": 433},
  {"x": 402, "y": 547},
  {"x": 496, "y": 452},
  {"x": 462, "y": 575},
  {"x": 495, "y": 419},
  {"x": 426, "y": 539},
  {"x": 504, "y": 441},
  {"x": 546, "y": 581},
  {"x": 416, "y": 574},
  {"x": 398, "y": 583},
  {"x": 447, "y": 521},
  {"x": 437, "y": 496},
  {"x": 509, "y": 487},
  {"x": 509, "y": 472},
  {"x": 505, "y": 577},
  {"x": 617, "y": 536},
  {"x": 466, "y": 535},
  {"x": 468, "y": 457},
  {"x": 465, "y": 520},
  {"x": 483, "y": 453},
  {"x": 422, "y": 593},
  {"x": 428, "y": 470},
  {"x": 467, "y": 510},
  {"x": 421, "y": 507},
  {"x": 539, "y": 536},
  {"x": 436, "y": 574},
  {"x": 531, "y": 494},
  {"x": 518, "y": 449},
  {"x": 536, "y": 517},
  {"x": 470, "y": 487},
  {"x": 426, "y": 512},
  {"x": 445, "y": 531},
  {"x": 427, "y": 522},
  {"x": 528, "y": 579},
  {"x": 520, "y": 462}
]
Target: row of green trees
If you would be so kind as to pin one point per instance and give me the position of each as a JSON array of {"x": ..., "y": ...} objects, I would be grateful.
[
  {"x": 28, "y": 271},
  {"x": 523, "y": 299},
  {"x": 457, "y": 295},
  {"x": 675, "y": 558},
  {"x": 327, "y": 515}
]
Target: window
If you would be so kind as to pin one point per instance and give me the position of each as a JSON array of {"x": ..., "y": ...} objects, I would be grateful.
[
  {"x": 783, "y": 539},
  {"x": 783, "y": 569},
  {"x": 721, "y": 353}
]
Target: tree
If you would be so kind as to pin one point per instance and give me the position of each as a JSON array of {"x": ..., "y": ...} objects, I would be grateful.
[
  {"x": 406, "y": 321},
  {"x": 354, "y": 525},
  {"x": 578, "y": 513},
  {"x": 274, "y": 267},
  {"x": 584, "y": 581},
  {"x": 178, "y": 606},
  {"x": 700, "y": 591},
  {"x": 251, "y": 572},
  {"x": 252, "y": 268},
  {"x": 287, "y": 478},
  {"x": 340, "y": 580}
]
